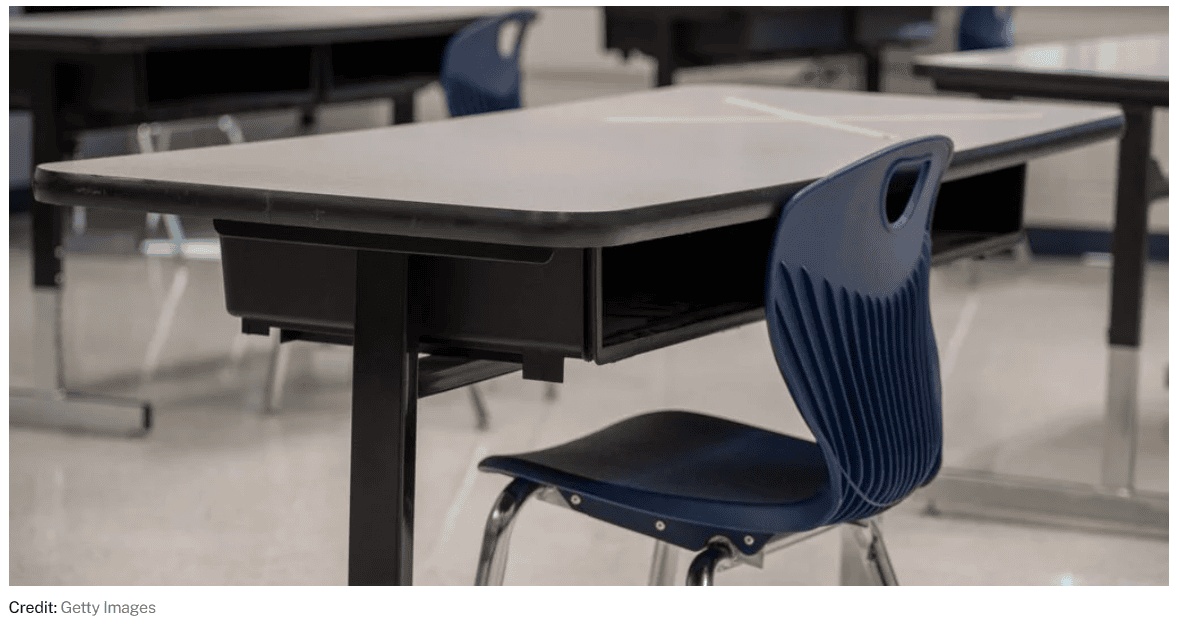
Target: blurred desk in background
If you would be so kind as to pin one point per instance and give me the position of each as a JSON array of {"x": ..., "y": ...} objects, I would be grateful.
[
  {"x": 685, "y": 37},
  {"x": 1133, "y": 72},
  {"x": 95, "y": 69}
]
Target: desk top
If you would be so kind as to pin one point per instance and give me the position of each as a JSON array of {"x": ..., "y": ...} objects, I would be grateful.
[
  {"x": 1109, "y": 64},
  {"x": 137, "y": 29},
  {"x": 591, "y": 173}
]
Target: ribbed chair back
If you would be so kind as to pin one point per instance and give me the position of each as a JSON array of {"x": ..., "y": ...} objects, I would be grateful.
[
  {"x": 475, "y": 77},
  {"x": 847, "y": 305}
]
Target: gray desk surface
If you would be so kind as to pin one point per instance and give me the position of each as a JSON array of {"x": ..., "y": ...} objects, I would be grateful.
[
  {"x": 1138, "y": 57},
  {"x": 136, "y": 28},
  {"x": 590, "y": 173}
]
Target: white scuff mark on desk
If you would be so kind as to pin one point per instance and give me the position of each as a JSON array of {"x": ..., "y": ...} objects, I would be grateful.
[
  {"x": 938, "y": 117},
  {"x": 837, "y": 122},
  {"x": 804, "y": 118},
  {"x": 730, "y": 119},
  {"x": 778, "y": 115}
]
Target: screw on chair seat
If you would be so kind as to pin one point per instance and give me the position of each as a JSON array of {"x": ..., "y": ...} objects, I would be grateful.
[{"x": 700, "y": 475}]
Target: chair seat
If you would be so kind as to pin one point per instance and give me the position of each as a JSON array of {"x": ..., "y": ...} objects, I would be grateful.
[{"x": 699, "y": 475}]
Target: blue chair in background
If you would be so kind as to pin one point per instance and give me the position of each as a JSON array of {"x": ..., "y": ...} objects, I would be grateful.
[
  {"x": 982, "y": 28},
  {"x": 847, "y": 307},
  {"x": 475, "y": 76}
]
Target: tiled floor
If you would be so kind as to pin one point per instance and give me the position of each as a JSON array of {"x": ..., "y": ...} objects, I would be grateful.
[
  {"x": 221, "y": 494},
  {"x": 218, "y": 493}
]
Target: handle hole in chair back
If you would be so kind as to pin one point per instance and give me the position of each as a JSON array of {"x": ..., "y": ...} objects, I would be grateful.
[
  {"x": 900, "y": 195},
  {"x": 846, "y": 301},
  {"x": 510, "y": 37}
]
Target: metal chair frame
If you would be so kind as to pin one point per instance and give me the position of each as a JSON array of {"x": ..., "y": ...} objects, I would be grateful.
[{"x": 863, "y": 561}]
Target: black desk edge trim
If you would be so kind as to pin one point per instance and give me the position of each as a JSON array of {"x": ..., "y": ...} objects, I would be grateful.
[{"x": 1050, "y": 85}]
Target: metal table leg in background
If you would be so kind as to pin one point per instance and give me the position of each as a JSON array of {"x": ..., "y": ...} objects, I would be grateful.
[
  {"x": 403, "y": 107},
  {"x": 1116, "y": 505},
  {"x": 384, "y": 423},
  {"x": 47, "y": 404},
  {"x": 664, "y": 65},
  {"x": 1130, "y": 241},
  {"x": 873, "y": 69}
]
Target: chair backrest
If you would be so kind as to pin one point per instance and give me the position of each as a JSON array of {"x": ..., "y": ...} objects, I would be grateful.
[
  {"x": 982, "y": 28},
  {"x": 475, "y": 77},
  {"x": 847, "y": 305}
]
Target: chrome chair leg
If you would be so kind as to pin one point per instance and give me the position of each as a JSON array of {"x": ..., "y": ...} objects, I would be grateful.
[
  {"x": 144, "y": 136},
  {"x": 663, "y": 564},
  {"x": 480, "y": 407},
  {"x": 78, "y": 214},
  {"x": 877, "y": 556},
  {"x": 864, "y": 560},
  {"x": 236, "y": 356},
  {"x": 275, "y": 373},
  {"x": 78, "y": 220},
  {"x": 157, "y": 138},
  {"x": 497, "y": 534},
  {"x": 232, "y": 130},
  {"x": 163, "y": 325},
  {"x": 703, "y": 568},
  {"x": 1023, "y": 254}
]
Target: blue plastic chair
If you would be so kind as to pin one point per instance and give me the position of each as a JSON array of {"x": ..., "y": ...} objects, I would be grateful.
[
  {"x": 847, "y": 307},
  {"x": 982, "y": 28},
  {"x": 475, "y": 77}
]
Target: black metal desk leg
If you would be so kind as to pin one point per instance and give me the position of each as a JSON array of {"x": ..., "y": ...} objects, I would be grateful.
[
  {"x": 384, "y": 423},
  {"x": 1130, "y": 239},
  {"x": 46, "y": 403},
  {"x": 50, "y": 143},
  {"x": 664, "y": 60},
  {"x": 308, "y": 120},
  {"x": 403, "y": 108},
  {"x": 873, "y": 69}
]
